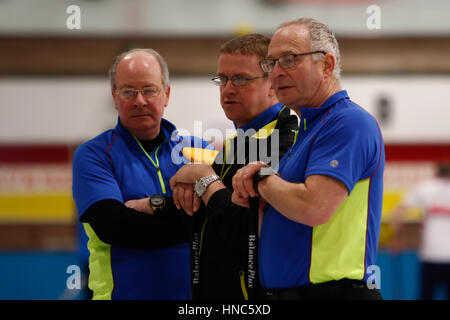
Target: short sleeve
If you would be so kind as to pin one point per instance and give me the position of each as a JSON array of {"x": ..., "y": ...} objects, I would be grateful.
[
  {"x": 347, "y": 148},
  {"x": 93, "y": 178}
]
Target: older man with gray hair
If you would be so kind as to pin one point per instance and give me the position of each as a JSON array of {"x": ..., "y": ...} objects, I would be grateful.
[
  {"x": 139, "y": 245},
  {"x": 321, "y": 224}
]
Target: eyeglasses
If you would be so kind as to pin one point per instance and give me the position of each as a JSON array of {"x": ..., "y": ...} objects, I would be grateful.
[
  {"x": 237, "y": 81},
  {"x": 130, "y": 93},
  {"x": 286, "y": 62}
]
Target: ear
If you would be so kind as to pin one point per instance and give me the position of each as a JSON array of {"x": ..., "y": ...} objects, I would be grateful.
[
  {"x": 328, "y": 65},
  {"x": 114, "y": 95},
  {"x": 166, "y": 99}
]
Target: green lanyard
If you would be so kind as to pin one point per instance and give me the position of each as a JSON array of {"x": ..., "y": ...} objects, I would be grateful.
[
  {"x": 155, "y": 164},
  {"x": 225, "y": 156}
]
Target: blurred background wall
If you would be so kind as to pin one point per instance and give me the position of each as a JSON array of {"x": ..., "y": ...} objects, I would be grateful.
[{"x": 54, "y": 94}]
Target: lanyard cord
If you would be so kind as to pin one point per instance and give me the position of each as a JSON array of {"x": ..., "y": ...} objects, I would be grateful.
[
  {"x": 223, "y": 174},
  {"x": 156, "y": 165}
]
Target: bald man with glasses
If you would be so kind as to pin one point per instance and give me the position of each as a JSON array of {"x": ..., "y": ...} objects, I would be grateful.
[{"x": 138, "y": 243}]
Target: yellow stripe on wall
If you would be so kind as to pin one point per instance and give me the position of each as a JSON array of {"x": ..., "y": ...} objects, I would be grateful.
[
  {"x": 391, "y": 202},
  {"x": 30, "y": 207}
]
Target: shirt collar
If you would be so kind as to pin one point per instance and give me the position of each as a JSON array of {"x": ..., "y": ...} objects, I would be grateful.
[
  {"x": 263, "y": 118},
  {"x": 312, "y": 113}
]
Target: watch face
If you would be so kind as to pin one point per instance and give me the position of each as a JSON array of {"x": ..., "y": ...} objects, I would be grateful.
[
  {"x": 157, "y": 200},
  {"x": 198, "y": 187}
]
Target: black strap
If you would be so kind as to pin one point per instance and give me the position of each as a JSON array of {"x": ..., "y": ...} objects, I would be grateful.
[
  {"x": 194, "y": 259},
  {"x": 252, "y": 272},
  {"x": 195, "y": 237}
]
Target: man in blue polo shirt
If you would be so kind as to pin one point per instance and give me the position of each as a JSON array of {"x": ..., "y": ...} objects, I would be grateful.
[
  {"x": 120, "y": 181},
  {"x": 321, "y": 223}
]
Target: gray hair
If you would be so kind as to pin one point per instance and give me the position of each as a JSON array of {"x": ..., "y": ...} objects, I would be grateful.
[
  {"x": 320, "y": 38},
  {"x": 162, "y": 64}
]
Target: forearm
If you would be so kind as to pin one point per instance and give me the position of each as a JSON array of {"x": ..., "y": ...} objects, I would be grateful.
[
  {"x": 116, "y": 224},
  {"x": 300, "y": 202},
  {"x": 229, "y": 221},
  {"x": 189, "y": 174},
  {"x": 211, "y": 190}
]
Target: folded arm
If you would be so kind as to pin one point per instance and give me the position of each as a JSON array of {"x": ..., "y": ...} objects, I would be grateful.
[
  {"x": 116, "y": 224},
  {"x": 311, "y": 203}
]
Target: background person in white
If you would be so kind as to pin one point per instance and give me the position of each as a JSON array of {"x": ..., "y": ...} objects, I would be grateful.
[{"x": 433, "y": 197}]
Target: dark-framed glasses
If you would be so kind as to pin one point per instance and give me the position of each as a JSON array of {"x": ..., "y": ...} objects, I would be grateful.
[
  {"x": 130, "y": 93},
  {"x": 236, "y": 80},
  {"x": 287, "y": 61}
]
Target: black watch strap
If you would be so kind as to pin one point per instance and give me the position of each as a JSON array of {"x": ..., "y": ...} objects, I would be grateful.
[{"x": 261, "y": 175}]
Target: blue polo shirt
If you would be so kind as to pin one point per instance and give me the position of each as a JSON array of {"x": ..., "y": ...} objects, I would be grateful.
[
  {"x": 343, "y": 141},
  {"x": 113, "y": 165}
]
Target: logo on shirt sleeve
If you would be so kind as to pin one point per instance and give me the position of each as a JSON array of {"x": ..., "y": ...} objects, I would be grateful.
[{"x": 334, "y": 163}]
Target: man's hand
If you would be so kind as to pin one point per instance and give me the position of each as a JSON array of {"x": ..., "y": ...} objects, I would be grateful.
[
  {"x": 182, "y": 185},
  {"x": 141, "y": 205},
  {"x": 243, "y": 183},
  {"x": 190, "y": 173},
  {"x": 184, "y": 197}
]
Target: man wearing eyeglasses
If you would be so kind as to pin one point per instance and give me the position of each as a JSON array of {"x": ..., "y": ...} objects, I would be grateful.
[
  {"x": 247, "y": 99},
  {"x": 121, "y": 184},
  {"x": 321, "y": 224}
]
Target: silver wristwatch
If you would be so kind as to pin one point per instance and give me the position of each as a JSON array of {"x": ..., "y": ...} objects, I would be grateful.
[{"x": 202, "y": 183}]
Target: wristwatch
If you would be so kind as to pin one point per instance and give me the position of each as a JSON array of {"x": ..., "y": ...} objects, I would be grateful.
[
  {"x": 261, "y": 175},
  {"x": 202, "y": 183},
  {"x": 157, "y": 202}
]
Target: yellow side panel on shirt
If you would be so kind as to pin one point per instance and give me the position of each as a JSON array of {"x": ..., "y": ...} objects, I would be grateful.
[
  {"x": 101, "y": 278},
  {"x": 338, "y": 246},
  {"x": 199, "y": 155}
]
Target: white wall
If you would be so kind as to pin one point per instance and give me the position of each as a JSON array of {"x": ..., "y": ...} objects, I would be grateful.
[
  {"x": 420, "y": 105},
  {"x": 55, "y": 109},
  {"x": 71, "y": 110},
  {"x": 206, "y": 17}
]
